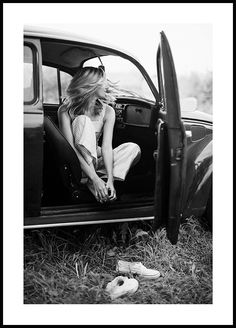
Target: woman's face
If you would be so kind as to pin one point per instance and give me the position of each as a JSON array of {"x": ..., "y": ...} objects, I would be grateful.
[{"x": 101, "y": 90}]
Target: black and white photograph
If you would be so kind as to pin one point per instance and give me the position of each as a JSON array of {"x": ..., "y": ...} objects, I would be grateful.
[{"x": 121, "y": 163}]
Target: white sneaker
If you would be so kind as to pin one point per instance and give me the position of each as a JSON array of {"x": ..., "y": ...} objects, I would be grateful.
[
  {"x": 121, "y": 286},
  {"x": 137, "y": 268}
]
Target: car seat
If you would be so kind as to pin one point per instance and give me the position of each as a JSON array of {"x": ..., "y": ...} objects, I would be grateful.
[{"x": 64, "y": 159}]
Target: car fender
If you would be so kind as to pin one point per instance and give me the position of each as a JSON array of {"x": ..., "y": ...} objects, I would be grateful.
[{"x": 198, "y": 181}]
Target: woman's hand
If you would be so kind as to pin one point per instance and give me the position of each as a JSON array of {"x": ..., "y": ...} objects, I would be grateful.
[
  {"x": 111, "y": 190},
  {"x": 100, "y": 189}
]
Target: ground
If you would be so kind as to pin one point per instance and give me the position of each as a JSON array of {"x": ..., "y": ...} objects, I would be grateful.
[{"x": 73, "y": 265}]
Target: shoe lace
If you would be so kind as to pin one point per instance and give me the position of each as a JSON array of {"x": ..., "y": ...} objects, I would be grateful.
[{"x": 136, "y": 268}]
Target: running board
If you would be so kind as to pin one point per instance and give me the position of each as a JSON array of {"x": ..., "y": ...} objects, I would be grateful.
[{"x": 73, "y": 216}]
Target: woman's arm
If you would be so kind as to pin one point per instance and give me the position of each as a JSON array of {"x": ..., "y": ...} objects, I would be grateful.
[
  {"x": 65, "y": 127},
  {"x": 99, "y": 185},
  {"x": 88, "y": 169},
  {"x": 107, "y": 151}
]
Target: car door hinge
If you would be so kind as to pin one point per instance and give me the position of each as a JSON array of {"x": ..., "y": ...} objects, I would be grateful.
[
  {"x": 155, "y": 154},
  {"x": 178, "y": 153}
]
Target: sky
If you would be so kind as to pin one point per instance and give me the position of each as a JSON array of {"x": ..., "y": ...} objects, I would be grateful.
[
  {"x": 200, "y": 36},
  {"x": 191, "y": 44}
]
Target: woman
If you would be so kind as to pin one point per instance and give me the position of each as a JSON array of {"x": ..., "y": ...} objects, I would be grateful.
[{"x": 86, "y": 105}]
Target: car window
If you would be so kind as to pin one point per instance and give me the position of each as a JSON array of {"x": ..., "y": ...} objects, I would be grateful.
[
  {"x": 65, "y": 80},
  {"x": 50, "y": 85},
  {"x": 129, "y": 79},
  {"x": 54, "y": 88},
  {"x": 28, "y": 75}
]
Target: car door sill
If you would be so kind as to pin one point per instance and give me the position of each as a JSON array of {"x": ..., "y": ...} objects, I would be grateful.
[{"x": 96, "y": 214}]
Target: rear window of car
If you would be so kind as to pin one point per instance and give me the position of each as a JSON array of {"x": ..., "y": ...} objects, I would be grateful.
[
  {"x": 29, "y": 94},
  {"x": 55, "y": 83}
]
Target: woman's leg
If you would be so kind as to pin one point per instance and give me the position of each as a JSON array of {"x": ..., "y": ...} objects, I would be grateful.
[{"x": 125, "y": 156}]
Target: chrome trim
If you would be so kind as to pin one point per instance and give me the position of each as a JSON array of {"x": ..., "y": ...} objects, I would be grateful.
[
  {"x": 87, "y": 223},
  {"x": 188, "y": 133}
]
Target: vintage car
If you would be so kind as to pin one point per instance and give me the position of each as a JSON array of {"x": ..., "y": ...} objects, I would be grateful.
[{"x": 173, "y": 179}]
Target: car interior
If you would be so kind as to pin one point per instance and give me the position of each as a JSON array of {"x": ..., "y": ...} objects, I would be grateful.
[{"x": 135, "y": 122}]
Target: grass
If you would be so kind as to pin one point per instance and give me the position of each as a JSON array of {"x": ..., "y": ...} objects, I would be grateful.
[{"x": 73, "y": 265}]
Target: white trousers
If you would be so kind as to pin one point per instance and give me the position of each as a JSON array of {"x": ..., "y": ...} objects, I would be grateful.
[{"x": 124, "y": 157}]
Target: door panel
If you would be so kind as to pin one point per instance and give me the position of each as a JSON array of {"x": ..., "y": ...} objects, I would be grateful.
[
  {"x": 161, "y": 195},
  {"x": 33, "y": 128},
  {"x": 172, "y": 143}
]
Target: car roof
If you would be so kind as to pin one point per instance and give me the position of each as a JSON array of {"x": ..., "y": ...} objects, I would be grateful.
[
  {"x": 49, "y": 32},
  {"x": 62, "y": 35}
]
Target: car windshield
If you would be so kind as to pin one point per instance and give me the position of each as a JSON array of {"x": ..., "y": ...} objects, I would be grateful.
[
  {"x": 124, "y": 92},
  {"x": 128, "y": 80}
]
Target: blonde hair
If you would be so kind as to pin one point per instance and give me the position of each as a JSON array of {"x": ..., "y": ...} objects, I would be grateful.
[{"x": 82, "y": 88}]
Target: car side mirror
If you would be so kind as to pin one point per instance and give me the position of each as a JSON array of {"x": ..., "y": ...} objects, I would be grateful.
[{"x": 188, "y": 104}]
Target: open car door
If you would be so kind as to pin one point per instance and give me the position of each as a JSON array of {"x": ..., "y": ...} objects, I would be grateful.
[{"x": 171, "y": 149}]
